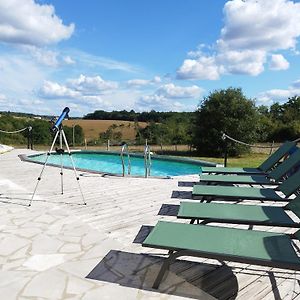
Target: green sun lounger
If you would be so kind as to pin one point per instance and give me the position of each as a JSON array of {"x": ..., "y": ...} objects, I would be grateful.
[
  {"x": 240, "y": 214},
  {"x": 288, "y": 187},
  {"x": 268, "y": 164},
  {"x": 272, "y": 178},
  {"x": 231, "y": 244}
]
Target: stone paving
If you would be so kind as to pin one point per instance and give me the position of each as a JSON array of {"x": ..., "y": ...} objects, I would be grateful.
[{"x": 61, "y": 249}]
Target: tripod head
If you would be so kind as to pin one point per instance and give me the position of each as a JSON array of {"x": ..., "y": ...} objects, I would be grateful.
[{"x": 58, "y": 123}]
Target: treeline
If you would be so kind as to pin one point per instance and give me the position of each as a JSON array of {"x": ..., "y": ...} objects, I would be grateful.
[
  {"x": 231, "y": 112},
  {"x": 41, "y": 133},
  {"x": 123, "y": 115}
]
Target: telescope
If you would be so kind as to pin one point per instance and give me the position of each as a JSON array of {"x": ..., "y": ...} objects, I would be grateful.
[{"x": 64, "y": 114}]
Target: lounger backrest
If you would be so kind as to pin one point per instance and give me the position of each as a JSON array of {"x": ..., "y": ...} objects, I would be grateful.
[
  {"x": 291, "y": 185},
  {"x": 294, "y": 206},
  {"x": 276, "y": 156},
  {"x": 286, "y": 166}
]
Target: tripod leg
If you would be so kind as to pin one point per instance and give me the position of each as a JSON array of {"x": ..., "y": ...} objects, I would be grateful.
[
  {"x": 44, "y": 166},
  {"x": 61, "y": 164},
  {"x": 73, "y": 165}
]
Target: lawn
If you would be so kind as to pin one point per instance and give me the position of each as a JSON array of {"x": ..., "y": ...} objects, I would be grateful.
[{"x": 249, "y": 160}]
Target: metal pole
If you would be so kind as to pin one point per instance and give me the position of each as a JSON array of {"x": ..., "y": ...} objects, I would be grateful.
[
  {"x": 225, "y": 152},
  {"x": 73, "y": 165},
  {"x": 73, "y": 135},
  {"x": 45, "y": 164},
  {"x": 61, "y": 161},
  {"x": 28, "y": 137}
]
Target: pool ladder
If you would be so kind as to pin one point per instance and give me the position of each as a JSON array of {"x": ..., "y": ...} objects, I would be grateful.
[
  {"x": 125, "y": 150},
  {"x": 147, "y": 159}
]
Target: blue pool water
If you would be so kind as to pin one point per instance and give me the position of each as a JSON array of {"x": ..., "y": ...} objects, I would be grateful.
[{"x": 111, "y": 163}]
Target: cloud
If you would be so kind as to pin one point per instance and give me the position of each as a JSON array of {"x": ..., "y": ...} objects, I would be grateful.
[
  {"x": 2, "y": 98},
  {"x": 29, "y": 23},
  {"x": 88, "y": 60},
  {"x": 279, "y": 95},
  {"x": 163, "y": 98},
  {"x": 143, "y": 82},
  {"x": 95, "y": 84},
  {"x": 157, "y": 102},
  {"x": 205, "y": 67},
  {"x": 278, "y": 62},
  {"x": 84, "y": 89},
  {"x": 253, "y": 30},
  {"x": 172, "y": 91},
  {"x": 68, "y": 60}
]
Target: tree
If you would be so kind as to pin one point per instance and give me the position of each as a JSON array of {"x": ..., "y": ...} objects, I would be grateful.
[{"x": 224, "y": 111}]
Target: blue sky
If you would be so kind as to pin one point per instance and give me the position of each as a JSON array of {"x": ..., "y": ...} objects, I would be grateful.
[{"x": 143, "y": 55}]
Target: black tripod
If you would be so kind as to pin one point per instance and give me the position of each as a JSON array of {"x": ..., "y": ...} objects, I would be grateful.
[{"x": 60, "y": 134}]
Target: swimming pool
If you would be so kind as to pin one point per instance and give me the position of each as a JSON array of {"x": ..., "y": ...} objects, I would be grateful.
[{"x": 110, "y": 162}]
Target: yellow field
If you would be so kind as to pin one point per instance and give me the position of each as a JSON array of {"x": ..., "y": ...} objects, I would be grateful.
[{"x": 92, "y": 128}]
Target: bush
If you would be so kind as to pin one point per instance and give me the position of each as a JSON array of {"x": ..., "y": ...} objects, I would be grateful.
[{"x": 227, "y": 111}]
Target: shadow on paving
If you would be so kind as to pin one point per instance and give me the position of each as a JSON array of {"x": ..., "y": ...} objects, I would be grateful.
[
  {"x": 169, "y": 210},
  {"x": 187, "y": 183},
  {"x": 182, "y": 195},
  {"x": 185, "y": 278}
]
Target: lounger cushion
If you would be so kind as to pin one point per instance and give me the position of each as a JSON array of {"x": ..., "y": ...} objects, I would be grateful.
[
  {"x": 234, "y": 212},
  {"x": 246, "y": 179},
  {"x": 234, "y": 244},
  {"x": 236, "y": 192},
  {"x": 223, "y": 170}
]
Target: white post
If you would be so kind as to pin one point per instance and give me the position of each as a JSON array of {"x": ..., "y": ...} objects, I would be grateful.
[{"x": 108, "y": 145}]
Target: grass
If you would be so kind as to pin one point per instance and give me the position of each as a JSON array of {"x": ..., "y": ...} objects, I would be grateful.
[{"x": 248, "y": 161}]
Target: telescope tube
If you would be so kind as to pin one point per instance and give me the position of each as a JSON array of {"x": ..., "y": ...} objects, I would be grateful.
[{"x": 63, "y": 115}]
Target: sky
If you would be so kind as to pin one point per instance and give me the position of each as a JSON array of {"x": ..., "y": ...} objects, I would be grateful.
[{"x": 143, "y": 55}]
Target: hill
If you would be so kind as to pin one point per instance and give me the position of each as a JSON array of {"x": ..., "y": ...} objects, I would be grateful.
[{"x": 92, "y": 128}]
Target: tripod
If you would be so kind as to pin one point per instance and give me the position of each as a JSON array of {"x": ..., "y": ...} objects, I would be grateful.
[{"x": 60, "y": 134}]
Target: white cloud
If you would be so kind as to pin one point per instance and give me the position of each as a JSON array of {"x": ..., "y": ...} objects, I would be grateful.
[
  {"x": 253, "y": 29},
  {"x": 278, "y": 62},
  {"x": 43, "y": 56},
  {"x": 84, "y": 89},
  {"x": 163, "y": 98},
  {"x": 144, "y": 82},
  {"x": 54, "y": 90},
  {"x": 278, "y": 95},
  {"x": 203, "y": 68},
  {"x": 296, "y": 84},
  {"x": 94, "y": 84},
  {"x": 68, "y": 60},
  {"x": 88, "y": 60},
  {"x": 157, "y": 102},
  {"x": 172, "y": 91},
  {"x": 2, "y": 98},
  {"x": 29, "y": 23}
]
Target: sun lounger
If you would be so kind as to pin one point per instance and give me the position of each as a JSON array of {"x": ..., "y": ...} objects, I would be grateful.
[
  {"x": 272, "y": 178},
  {"x": 240, "y": 214},
  {"x": 231, "y": 244},
  {"x": 268, "y": 164},
  {"x": 288, "y": 187}
]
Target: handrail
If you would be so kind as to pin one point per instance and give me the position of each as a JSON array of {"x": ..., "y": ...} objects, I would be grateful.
[
  {"x": 147, "y": 159},
  {"x": 125, "y": 147}
]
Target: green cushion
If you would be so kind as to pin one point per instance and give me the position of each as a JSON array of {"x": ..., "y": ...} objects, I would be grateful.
[
  {"x": 290, "y": 185},
  {"x": 231, "y": 170},
  {"x": 245, "y": 179},
  {"x": 276, "y": 156},
  {"x": 236, "y": 192},
  {"x": 286, "y": 166},
  {"x": 238, "y": 244},
  {"x": 234, "y": 212},
  {"x": 294, "y": 206}
]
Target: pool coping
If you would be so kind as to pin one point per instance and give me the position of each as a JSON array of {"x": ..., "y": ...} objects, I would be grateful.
[{"x": 26, "y": 158}]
